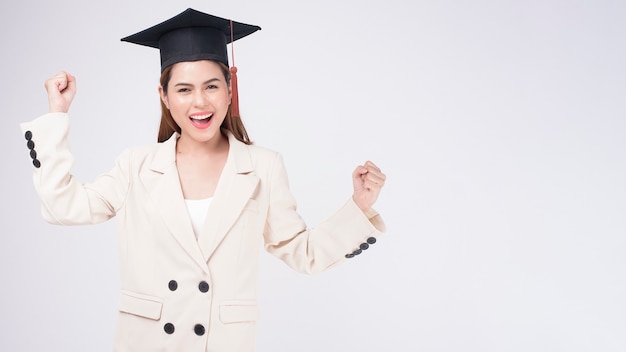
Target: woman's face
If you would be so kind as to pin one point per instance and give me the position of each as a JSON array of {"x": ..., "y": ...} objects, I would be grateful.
[{"x": 198, "y": 97}]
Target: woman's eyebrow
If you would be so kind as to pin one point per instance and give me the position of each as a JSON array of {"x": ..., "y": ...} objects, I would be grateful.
[{"x": 203, "y": 83}]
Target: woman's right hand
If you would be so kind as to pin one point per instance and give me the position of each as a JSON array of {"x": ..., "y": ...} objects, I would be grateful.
[{"x": 61, "y": 90}]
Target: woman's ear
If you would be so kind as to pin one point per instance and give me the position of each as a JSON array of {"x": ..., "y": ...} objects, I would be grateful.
[{"x": 163, "y": 96}]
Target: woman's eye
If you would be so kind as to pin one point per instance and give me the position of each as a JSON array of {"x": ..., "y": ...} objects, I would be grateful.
[
  {"x": 183, "y": 90},
  {"x": 211, "y": 86}
]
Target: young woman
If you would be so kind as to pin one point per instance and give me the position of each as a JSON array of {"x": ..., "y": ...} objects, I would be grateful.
[{"x": 193, "y": 209}]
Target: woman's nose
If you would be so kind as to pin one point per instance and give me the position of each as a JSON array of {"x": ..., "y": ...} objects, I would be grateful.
[{"x": 199, "y": 99}]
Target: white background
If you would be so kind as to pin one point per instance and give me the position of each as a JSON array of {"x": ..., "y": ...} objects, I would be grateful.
[{"x": 500, "y": 124}]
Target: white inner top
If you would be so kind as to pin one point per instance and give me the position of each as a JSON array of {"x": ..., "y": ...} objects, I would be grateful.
[{"x": 197, "y": 209}]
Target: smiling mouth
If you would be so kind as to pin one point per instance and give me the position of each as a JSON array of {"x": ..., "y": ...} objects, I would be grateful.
[{"x": 201, "y": 118}]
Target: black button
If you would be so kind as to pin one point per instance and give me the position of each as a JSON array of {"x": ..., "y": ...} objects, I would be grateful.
[
  {"x": 371, "y": 240},
  {"x": 169, "y": 328},
  {"x": 33, "y": 154},
  {"x": 198, "y": 329},
  {"x": 364, "y": 246},
  {"x": 28, "y": 135},
  {"x": 30, "y": 144},
  {"x": 203, "y": 286},
  {"x": 36, "y": 163},
  {"x": 349, "y": 255},
  {"x": 357, "y": 252},
  {"x": 173, "y": 285}
]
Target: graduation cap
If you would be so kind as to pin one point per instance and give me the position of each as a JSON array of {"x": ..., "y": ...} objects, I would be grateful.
[{"x": 193, "y": 35}]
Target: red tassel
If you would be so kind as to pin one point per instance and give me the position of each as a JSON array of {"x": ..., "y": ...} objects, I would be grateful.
[{"x": 234, "y": 101}]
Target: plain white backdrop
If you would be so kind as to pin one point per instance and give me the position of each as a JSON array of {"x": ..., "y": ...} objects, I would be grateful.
[{"x": 501, "y": 126}]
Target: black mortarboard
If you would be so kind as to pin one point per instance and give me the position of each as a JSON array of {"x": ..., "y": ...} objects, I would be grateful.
[{"x": 191, "y": 36}]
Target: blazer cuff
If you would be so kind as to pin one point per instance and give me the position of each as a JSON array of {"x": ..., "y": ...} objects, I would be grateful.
[
  {"x": 372, "y": 216},
  {"x": 45, "y": 121}
]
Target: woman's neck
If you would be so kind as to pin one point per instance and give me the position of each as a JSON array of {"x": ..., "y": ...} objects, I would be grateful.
[
  {"x": 192, "y": 148},
  {"x": 200, "y": 165}
]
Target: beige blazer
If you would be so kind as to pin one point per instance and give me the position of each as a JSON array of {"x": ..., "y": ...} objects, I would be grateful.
[{"x": 179, "y": 293}]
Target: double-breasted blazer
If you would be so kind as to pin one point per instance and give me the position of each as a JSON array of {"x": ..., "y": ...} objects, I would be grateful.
[{"x": 180, "y": 293}]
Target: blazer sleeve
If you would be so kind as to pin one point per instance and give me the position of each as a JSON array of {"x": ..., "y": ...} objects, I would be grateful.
[
  {"x": 64, "y": 200},
  {"x": 348, "y": 232}
]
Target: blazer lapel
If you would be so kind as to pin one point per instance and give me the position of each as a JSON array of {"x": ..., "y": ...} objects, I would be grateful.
[
  {"x": 164, "y": 187},
  {"x": 236, "y": 186}
]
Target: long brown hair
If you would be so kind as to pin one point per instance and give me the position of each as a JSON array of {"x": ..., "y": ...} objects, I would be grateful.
[{"x": 168, "y": 126}]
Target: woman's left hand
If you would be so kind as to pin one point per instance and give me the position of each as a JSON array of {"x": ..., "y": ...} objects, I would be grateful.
[{"x": 368, "y": 180}]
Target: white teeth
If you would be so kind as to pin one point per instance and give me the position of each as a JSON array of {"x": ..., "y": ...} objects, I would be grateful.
[{"x": 201, "y": 117}]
